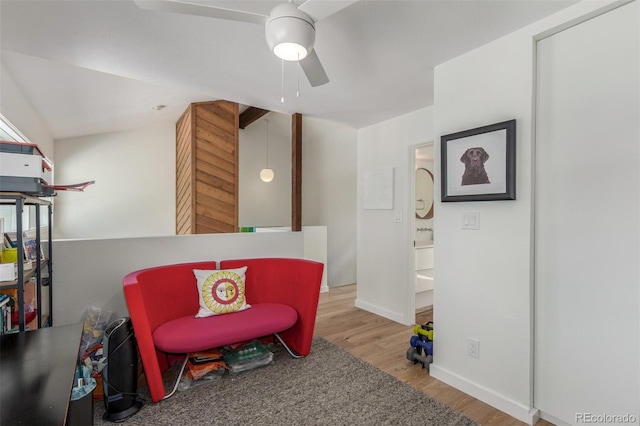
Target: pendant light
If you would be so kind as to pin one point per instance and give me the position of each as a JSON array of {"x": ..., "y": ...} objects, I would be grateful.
[{"x": 266, "y": 174}]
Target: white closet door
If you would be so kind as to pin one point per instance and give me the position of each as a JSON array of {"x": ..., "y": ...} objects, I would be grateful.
[{"x": 587, "y": 209}]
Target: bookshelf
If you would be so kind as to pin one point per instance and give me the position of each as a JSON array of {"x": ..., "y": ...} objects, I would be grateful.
[{"x": 40, "y": 270}]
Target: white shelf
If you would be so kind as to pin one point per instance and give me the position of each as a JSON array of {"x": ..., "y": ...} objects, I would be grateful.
[
  {"x": 425, "y": 274},
  {"x": 424, "y": 280}
]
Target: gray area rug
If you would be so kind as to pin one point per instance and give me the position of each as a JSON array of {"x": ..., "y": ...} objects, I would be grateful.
[{"x": 329, "y": 387}]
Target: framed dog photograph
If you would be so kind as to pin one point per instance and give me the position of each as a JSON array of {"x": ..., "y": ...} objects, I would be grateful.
[{"x": 479, "y": 164}]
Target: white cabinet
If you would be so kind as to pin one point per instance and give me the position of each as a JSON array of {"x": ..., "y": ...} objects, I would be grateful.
[{"x": 424, "y": 275}]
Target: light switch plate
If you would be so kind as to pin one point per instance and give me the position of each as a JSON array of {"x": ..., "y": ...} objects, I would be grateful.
[{"x": 471, "y": 220}]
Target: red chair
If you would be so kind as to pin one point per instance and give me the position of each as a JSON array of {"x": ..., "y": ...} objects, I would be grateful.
[{"x": 162, "y": 294}]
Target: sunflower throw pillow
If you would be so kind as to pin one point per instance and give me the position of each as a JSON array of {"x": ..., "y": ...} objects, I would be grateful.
[{"x": 221, "y": 291}]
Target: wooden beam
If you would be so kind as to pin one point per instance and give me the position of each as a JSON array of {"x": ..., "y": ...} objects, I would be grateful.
[
  {"x": 250, "y": 115},
  {"x": 296, "y": 172}
]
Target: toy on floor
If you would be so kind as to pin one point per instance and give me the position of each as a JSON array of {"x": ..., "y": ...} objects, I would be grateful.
[{"x": 421, "y": 342}]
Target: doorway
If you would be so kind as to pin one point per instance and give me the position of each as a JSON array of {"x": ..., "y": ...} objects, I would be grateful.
[{"x": 422, "y": 229}]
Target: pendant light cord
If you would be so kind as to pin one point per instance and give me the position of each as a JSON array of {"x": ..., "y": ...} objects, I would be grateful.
[
  {"x": 298, "y": 77},
  {"x": 282, "y": 83},
  {"x": 282, "y": 80},
  {"x": 267, "y": 121}
]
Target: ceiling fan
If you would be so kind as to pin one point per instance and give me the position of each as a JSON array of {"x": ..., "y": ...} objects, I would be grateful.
[{"x": 289, "y": 29}]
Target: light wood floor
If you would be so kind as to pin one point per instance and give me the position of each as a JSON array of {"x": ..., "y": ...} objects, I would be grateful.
[{"x": 383, "y": 343}]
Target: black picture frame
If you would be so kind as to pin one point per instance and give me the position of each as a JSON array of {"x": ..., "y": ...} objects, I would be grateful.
[{"x": 479, "y": 164}]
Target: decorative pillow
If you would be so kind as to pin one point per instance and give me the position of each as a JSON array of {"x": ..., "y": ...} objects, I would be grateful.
[{"x": 221, "y": 291}]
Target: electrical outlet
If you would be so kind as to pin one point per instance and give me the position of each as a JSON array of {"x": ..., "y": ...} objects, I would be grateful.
[{"x": 473, "y": 347}]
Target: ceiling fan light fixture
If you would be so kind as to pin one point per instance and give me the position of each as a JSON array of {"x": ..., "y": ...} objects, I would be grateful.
[
  {"x": 290, "y": 33},
  {"x": 290, "y": 51}
]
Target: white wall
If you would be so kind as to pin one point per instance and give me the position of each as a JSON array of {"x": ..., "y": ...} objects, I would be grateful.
[
  {"x": 134, "y": 170},
  {"x": 90, "y": 272},
  {"x": 315, "y": 248},
  {"x": 328, "y": 184},
  {"x": 16, "y": 108},
  {"x": 265, "y": 203},
  {"x": 385, "y": 247},
  {"x": 329, "y": 192},
  {"x": 486, "y": 273},
  {"x": 484, "y": 278},
  {"x": 134, "y": 193}
]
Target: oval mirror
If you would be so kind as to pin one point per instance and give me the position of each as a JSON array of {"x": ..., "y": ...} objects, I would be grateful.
[{"x": 424, "y": 194}]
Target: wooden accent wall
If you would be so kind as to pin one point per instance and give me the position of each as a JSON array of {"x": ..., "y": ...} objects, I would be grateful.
[
  {"x": 250, "y": 115},
  {"x": 184, "y": 181},
  {"x": 207, "y": 168},
  {"x": 296, "y": 172}
]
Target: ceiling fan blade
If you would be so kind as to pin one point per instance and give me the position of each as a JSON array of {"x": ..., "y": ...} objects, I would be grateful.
[
  {"x": 313, "y": 69},
  {"x": 201, "y": 10},
  {"x": 320, "y": 9}
]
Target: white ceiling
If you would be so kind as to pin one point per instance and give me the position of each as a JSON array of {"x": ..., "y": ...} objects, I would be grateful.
[{"x": 93, "y": 66}]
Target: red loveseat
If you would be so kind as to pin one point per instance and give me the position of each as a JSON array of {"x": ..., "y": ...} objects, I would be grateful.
[{"x": 163, "y": 301}]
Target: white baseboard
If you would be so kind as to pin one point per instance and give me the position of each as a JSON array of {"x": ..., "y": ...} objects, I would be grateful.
[
  {"x": 523, "y": 413},
  {"x": 393, "y": 316},
  {"x": 324, "y": 289},
  {"x": 553, "y": 420}
]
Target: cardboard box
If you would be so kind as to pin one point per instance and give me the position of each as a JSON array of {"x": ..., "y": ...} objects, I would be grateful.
[
  {"x": 98, "y": 392},
  {"x": 29, "y": 297},
  {"x": 29, "y": 292},
  {"x": 8, "y": 271}
]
